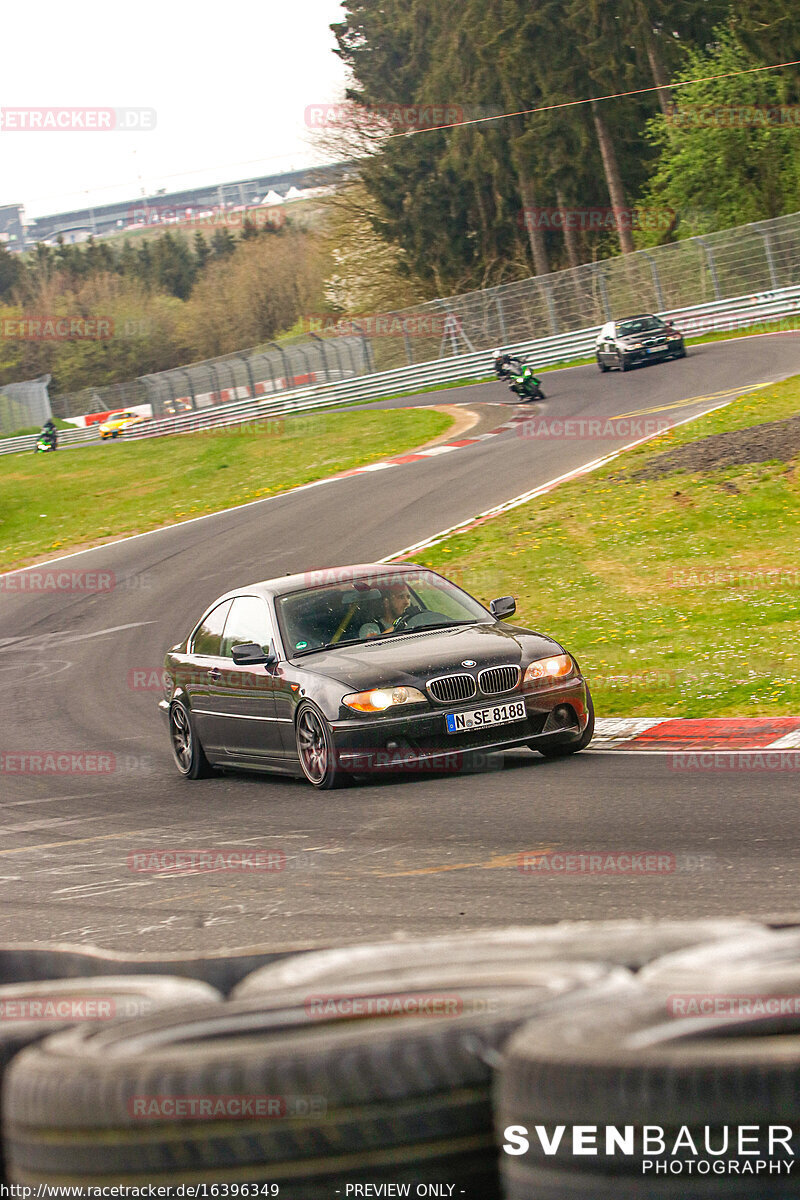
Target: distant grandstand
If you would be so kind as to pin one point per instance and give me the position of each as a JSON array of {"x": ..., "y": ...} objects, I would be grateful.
[
  {"x": 105, "y": 219},
  {"x": 11, "y": 234}
]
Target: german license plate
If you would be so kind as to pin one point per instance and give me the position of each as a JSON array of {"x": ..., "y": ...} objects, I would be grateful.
[{"x": 480, "y": 718}]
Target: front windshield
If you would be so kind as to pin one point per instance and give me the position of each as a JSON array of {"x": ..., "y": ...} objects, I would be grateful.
[
  {"x": 639, "y": 325},
  {"x": 370, "y": 607}
]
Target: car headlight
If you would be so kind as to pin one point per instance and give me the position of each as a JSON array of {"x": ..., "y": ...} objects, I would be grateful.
[
  {"x": 546, "y": 670},
  {"x": 379, "y": 699},
  {"x": 674, "y": 337}
]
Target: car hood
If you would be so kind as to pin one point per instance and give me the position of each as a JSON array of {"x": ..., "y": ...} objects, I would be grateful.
[{"x": 409, "y": 658}]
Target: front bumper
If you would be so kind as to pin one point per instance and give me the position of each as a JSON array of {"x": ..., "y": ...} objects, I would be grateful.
[
  {"x": 653, "y": 353},
  {"x": 421, "y": 738}
]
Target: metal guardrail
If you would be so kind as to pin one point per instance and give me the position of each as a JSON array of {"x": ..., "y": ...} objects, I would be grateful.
[
  {"x": 718, "y": 316},
  {"x": 742, "y": 312},
  {"x": 66, "y": 437}
]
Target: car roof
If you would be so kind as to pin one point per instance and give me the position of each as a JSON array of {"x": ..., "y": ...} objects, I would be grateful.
[
  {"x": 635, "y": 317},
  {"x": 321, "y": 577}
]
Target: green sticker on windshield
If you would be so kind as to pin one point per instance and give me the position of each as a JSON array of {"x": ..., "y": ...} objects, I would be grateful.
[{"x": 300, "y": 645}]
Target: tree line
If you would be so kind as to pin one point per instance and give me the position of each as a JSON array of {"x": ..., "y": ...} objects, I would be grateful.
[
  {"x": 480, "y": 203},
  {"x": 169, "y": 299}
]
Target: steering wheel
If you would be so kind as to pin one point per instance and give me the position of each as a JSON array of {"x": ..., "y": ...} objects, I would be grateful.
[
  {"x": 410, "y": 619},
  {"x": 407, "y": 615}
]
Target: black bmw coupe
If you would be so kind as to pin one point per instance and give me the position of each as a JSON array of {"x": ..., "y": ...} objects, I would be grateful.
[{"x": 338, "y": 673}]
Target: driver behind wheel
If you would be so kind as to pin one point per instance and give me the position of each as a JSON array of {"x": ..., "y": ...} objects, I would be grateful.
[{"x": 395, "y": 599}]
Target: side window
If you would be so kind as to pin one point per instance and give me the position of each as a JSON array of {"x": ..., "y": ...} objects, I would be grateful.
[
  {"x": 248, "y": 621},
  {"x": 208, "y": 635}
]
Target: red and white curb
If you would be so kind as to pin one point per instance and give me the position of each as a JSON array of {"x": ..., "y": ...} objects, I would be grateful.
[
  {"x": 433, "y": 451},
  {"x": 667, "y": 734}
]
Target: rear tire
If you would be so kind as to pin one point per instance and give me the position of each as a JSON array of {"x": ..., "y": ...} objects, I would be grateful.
[
  {"x": 604, "y": 367},
  {"x": 187, "y": 750}
]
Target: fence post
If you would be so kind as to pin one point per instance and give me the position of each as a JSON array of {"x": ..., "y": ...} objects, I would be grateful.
[
  {"x": 502, "y": 318},
  {"x": 245, "y": 358},
  {"x": 656, "y": 280},
  {"x": 188, "y": 375},
  {"x": 369, "y": 357},
  {"x": 285, "y": 362},
  {"x": 323, "y": 354},
  {"x": 551, "y": 308},
  {"x": 712, "y": 267},
  {"x": 215, "y": 378},
  {"x": 406, "y": 338},
  {"x": 601, "y": 278},
  {"x": 773, "y": 274}
]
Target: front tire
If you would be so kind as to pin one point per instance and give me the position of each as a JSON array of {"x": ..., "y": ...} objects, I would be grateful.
[
  {"x": 316, "y": 751},
  {"x": 624, "y": 363},
  {"x": 573, "y": 747},
  {"x": 603, "y": 366},
  {"x": 187, "y": 750}
]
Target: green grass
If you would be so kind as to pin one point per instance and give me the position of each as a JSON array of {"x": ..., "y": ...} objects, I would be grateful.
[
  {"x": 52, "y": 503},
  {"x": 678, "y": 595}
]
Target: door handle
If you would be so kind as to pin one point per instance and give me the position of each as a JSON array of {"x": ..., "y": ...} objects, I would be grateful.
[{"x": 215, "y": 674}]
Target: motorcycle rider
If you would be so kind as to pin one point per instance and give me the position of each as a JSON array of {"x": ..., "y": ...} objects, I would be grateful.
[
  {"x": 49, "y": 434},
  {"x": 507, "y": 366},
  {"x": 502, "y": 363}
]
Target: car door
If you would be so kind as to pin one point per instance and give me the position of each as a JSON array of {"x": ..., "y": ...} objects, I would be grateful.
[
  {"x": 248, "y": 692},
  {"x": 201, "y": 677}
]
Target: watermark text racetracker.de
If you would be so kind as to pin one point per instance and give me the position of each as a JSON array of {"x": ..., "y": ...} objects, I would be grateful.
[
  {"x": 74, "y": 762},
  {"x": 55, "y": 328},
  {"x": 219, "y": 1106},
  {"x": 733, "y": 116},
  {"x": 734, "y": 760},
  {"x": 581, "y": 429},
  {"x": 597, "y": 218},
  {"x": 388, "y": 324},
  {"x": 400, "y": 117},
  {"x": 732, "y": 1004},
  {"x": 74, "y": 1008},
  {"x": 63, "y": 120},
  {"x": 244, "y": 216},
  {"x": 47, "y": 580},
  {"x": 247, "y": 859},
  {"x": 583, "y": 863},
  {"x": 744, "y": 578}
]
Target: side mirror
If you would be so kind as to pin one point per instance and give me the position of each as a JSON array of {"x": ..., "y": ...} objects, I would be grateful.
[
  {"x": 249, "y": 654},
  {"x": 504, "y": 606}
]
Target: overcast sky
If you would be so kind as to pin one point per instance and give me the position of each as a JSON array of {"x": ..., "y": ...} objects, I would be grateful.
[{"x": 229, "y": 84}]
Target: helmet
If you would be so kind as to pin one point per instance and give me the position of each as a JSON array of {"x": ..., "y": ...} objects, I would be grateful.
[{"x": 496, "y": 353}]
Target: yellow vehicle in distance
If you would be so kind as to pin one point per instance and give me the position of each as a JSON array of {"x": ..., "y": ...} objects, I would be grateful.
[{"x": 119, "y": 421}]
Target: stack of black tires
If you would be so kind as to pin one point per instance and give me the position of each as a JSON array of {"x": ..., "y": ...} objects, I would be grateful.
[{"x": 491, "y": 1064}]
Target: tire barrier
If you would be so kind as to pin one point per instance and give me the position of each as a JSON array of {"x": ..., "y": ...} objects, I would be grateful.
[
  {"x": 30, "y": 1011},
  {"x": 629, "y": 944},
  {"x": 699, "y": 1072},
  {"x": 60, "y": 961},
  {"x": 387, "y": 1080},
  {"x": 639, "y": 1060}
]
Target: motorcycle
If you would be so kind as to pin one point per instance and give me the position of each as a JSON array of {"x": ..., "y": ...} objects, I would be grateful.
[
  {"x": 45, "y": 445},
  {"x": 525, "y": 384}
]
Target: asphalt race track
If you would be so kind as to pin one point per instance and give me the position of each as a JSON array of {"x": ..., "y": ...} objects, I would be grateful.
[{"x": 416, "y": 854}]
